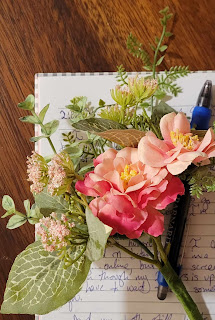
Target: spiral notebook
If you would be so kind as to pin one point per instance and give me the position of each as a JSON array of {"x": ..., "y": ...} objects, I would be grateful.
[{"x": 119, "y": 287}]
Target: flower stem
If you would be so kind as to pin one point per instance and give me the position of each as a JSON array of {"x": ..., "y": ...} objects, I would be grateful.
[
  {"x": 144, "y": 247},
  {"x": 178, "y": 288},
  {"x": 134, "y": 255}
]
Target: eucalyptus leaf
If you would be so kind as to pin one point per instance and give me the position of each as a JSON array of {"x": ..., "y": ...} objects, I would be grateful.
[
  {"x": 28, "y": 104},
  {"x": 38, "y": 283},
  {"x": 16, "y": 221},
  {"x": 98, "y": 235},
  {"x": 97, "y": 125},
  {"x": 48, "y": 203},
  {"x": 43, "y": 112},
  {"x": 30, "y": 119},
  {"x": 35, "y": 139},
  {"x": 27, "y": 207},
  {"x": 8, "y": 203},
  {"x": 34, "y": 215},
  {"x": 50, "y": 127}
]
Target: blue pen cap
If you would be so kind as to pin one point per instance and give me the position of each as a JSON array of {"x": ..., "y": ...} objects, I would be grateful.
[
  {"x": 161, "y": 281},
  {"x": 202, "y": 113},
  {"x": 200, "y": 118}
]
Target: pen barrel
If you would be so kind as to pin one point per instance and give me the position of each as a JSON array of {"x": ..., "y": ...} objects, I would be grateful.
[{"x": 177, "y": 225}]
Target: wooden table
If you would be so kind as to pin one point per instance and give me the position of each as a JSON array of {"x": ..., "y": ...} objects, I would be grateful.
[{"x": 78, "y": 36}]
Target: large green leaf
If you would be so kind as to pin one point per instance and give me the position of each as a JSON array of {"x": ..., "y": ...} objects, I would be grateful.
[
  {"x": 43, "y": 113},
  {"x": 38, "y": 283},
  {"x": 97, "y": 125},
  {"x": 48, "y": 204},
  {"x": 50, "y": 127},
  {"x": 98, "y": 235},
  {"x": 30, "y": 119}
]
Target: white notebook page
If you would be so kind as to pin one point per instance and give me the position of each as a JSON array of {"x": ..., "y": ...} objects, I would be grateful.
[{"x": 119, "y": 287}]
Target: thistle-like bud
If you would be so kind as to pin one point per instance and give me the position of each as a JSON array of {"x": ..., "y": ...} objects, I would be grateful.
[
  {"x": 122, "y": 96},
  {"x": 37, "y": 170},
  {"x": 61, "y": 174},
  {"x": 142, "y": 88}
]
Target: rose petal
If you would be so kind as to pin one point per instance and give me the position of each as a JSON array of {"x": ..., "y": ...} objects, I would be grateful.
[{"x": 166, "y": 125}]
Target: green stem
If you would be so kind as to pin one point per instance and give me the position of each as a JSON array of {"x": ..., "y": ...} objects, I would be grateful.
[
  {"x": 178, "y": 288},
  {"x": 160, "y": 249},
  {"x": 153, "y": 127},
  {"x": 44, "y": 129},
  {"x": 144, "y": 247},
  {"x": 134, "y": 255},
  {"x": 155, "y": 60},
  {"x": 155, "y": 249},
  {"x": 20, "y": 214}
]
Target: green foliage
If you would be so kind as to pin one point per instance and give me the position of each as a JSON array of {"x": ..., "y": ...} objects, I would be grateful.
[
  {"x": 201, "y": 180},
  {"x": 28, "y": 104},
  {"x": 48, "y": 204},
  {"x": 38, "y": 282},
  {"x": 98, "y": 235},
  {"x": 135, "y": 48},
  {"x": 33, "y": 214},
  {"x": 30, "y": 119},
  {"x": 49, "y": 128},
  {"x": 80, "y": 109},
  {"x": 97, "y": 125},
  {"x": 69, "y": 138},
  {"x": 16, "y": 221},
  {"x": 122, "y": 75},
  {"x": 43, "y": 113},
  {"x": 166, "y": 80}
]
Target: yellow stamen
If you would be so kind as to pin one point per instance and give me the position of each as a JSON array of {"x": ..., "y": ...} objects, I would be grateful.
[
  {"x": 127, "y": 174},
  {"x": 187, "y": 140}
]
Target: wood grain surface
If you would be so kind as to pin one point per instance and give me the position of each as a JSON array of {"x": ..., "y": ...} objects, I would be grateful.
[{"x": 77, "y": 36}]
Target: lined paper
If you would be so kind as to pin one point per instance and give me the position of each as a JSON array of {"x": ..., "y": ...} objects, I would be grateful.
[{"x": 118, "y": 286}]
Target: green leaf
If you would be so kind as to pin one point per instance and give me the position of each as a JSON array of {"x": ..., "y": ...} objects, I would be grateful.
[
  {"x": 8, "y": 203},
  {"x": 164, "y": 11},
  {"x": 148, "y": 68},
  {"x": 48, "y": 204},
  {"x": 43, "y": 113},
  {"x": 160, "y": 60},
  {"x": 98, "y": 235},
  {"x": 97, "y": 125},
  {"x": 34, "y": 215},
  {"x": 28, "y": 104},
  {"x": 27, "y": 207},
  {"x": 74, "y": 151},
  {"x": 168, "y": 34},
  {"x": 35, "y": 139},
  {"x": 101, "y": 103},
  {"x": 38, "y": 283},
  {"x": 8, "y": 213},
  {"x": 161, "y": 109},
  {"x": 163, "y": 48},
  {"x": 86, "y": 168},
  {"x": 30, "y": 119},
  {"x": 16, "y": 221},
  {"x": 50, "y": 127},
  {"x": 159, "y": 94}
]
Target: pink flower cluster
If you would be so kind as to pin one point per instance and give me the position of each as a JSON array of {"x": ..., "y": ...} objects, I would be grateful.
[
  {"x": 128, "y": 193},
  {"x": 53, "y": 232},
  {"x": 57, "y": 174},
  {"x": 37, "y": 170}
]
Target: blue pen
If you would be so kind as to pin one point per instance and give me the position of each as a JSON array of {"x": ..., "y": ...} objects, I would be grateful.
[
  {"x": 174, "y": 237},
  {"x": 202, "y": 113}
]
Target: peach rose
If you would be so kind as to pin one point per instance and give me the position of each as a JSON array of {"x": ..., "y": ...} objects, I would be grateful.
[{"x": 179, "y": 148}]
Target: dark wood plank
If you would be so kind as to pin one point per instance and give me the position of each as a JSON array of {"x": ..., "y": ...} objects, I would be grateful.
[{"x": 77, "y": 36}]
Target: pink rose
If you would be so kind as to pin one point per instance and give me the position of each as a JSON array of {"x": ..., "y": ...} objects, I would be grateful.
[
  {"x": 179, "y": 148},
  {"x": 128, "y": 194}
]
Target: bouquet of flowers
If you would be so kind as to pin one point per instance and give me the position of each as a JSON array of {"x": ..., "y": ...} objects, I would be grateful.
[{"x": 139, "y": 154}]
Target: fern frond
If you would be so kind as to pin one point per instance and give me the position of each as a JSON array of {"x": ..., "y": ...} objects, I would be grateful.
[
  {"x": 122, "y": 75},
  {"x": 135, "y": 48}
]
